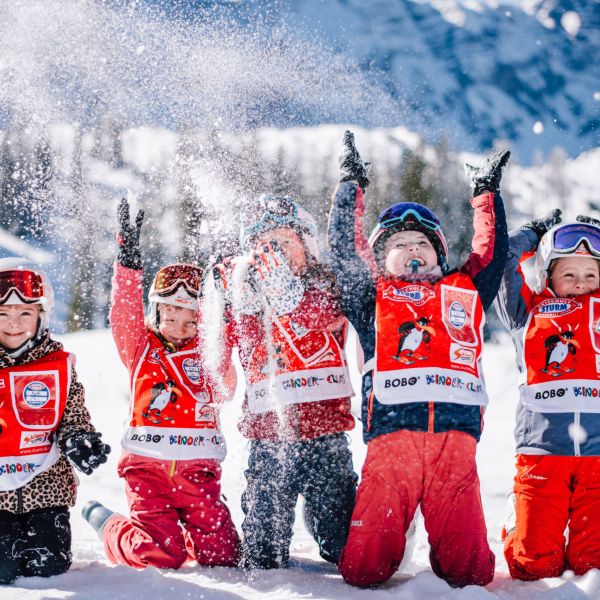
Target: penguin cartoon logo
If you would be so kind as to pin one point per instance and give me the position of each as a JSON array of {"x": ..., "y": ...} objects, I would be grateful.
[
  {"x": 163, "y": 394},
  {"x": 558, "y": 347},
  {"x": 413, "y": 334}
]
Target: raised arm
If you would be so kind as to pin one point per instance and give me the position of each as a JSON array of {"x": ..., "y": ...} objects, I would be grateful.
[
  {"x": 126, "y": 307},
  {"x": 512, "y": 302},
  {"x": 352, "y": 259},
  {"x": 485, "y": 264}
]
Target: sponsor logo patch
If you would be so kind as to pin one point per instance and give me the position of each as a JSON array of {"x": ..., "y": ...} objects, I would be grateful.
[
  {"x": 205, "y": 414},
  {"x": 556, "y": 307},
  {"x": 36, "y": 394},
  {"x": 460, "y": 354},
  {"x": 457, "y": 315},
  {"x": 415, "y": 294},
  {"x": 35, "y": 439},
  {"x": 191, "y": 369}
]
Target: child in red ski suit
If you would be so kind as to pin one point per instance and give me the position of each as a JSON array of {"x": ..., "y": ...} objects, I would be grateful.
[
  {"x": 172, "y": 446},
  {"x": 556, "y": 331},
  {"x": 45, "y": 428},
  {"x": 419, "y": 325},
  {"x": 290, "y": 332}
]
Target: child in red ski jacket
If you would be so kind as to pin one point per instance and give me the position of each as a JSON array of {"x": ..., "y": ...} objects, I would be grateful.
[
  {"x": 290, "y": 332},
  {"x": 556, "y": 330},
  {"x": 420, "y": 327},
  {"x": 44, "y": 429},
  {"x": 172, "y": 446}
]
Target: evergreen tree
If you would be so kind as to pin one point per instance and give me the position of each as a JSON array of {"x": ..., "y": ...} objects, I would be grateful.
[{"x": 81, "y": 305}]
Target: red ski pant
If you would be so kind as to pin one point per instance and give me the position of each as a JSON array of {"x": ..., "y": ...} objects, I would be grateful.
[
  {"x": 551, "y": 493},
  {"x": 403, "y": 469},
  {"x": 163, "y": 497}
]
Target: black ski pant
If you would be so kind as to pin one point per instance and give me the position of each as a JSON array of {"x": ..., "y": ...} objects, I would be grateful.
[
  {"x": 35, "y": 543},
  {"x": 321, "y": 471}
]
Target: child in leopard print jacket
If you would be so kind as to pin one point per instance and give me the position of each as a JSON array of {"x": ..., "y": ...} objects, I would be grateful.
[{"x": 45, "y": 428}]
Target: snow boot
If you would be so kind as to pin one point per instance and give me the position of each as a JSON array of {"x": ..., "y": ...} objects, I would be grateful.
[{"x": 96, "y": 515}]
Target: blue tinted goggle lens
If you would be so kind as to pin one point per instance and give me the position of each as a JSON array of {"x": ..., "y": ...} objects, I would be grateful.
[
  {"x": 569, "y": 237},
  {"x": 420, "y": 214},
  {"x": 270, "y": 210}
]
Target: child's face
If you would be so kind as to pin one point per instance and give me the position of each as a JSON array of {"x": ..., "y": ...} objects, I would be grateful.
[
  {"x": 575, "y": 275},
  {"x": 18, "y": 323},
  {"x": 177, "y": 325},
  {"x": 291, "y": 245},
  {"x": 403, "y": 247}
]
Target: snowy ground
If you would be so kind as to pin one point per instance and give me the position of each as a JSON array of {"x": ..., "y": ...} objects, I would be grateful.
[{"x": 93, "y": 578}]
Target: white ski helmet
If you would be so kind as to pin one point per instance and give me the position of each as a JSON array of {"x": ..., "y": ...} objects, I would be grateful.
[
  {"x": 273, "y": 211},
  {"x": 562, "y": 241},
  {"x": 23, "y": 282},
  {"x": 178, "y": 284}
]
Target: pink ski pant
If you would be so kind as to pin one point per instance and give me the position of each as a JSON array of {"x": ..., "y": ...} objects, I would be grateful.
[
  {"x": 402, "y": 470},
  {"x": 176, "y": 514}
]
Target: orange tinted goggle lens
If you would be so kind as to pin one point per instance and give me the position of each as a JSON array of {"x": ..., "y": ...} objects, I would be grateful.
[
  {"x": 169, "y": 278},
  {"x": 27, "y": 283}
]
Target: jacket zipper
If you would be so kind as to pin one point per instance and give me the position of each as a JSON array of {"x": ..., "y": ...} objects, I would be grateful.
[
  {"x": 576, "y": 434},
  {"x": 431, "y": 418},
  {"x": 370, "y": 409},
  {"x": 19, "y": 501}
]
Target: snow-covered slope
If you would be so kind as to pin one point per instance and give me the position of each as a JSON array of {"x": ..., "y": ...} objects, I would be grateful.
[{"x": 93, "y": 578}]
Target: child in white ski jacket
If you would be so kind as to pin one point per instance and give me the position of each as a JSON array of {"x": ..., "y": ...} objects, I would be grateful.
[{"x": 556, "y": 332}]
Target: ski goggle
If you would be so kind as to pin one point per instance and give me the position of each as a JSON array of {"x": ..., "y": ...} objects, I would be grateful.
[
  {"x": 28, "y": 285},
  {"x": 270, "y": 210},
  {"x": 171, "y": 277},
  {"x": 569, "y": 237},
  {"x": 409, "y": 211}
]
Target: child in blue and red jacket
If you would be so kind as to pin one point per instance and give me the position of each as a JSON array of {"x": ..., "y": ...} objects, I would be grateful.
[
  {"x": 556, "y": 331},
  {"x": 419, "y": 324},
  {"x": 290, "y": 331}
]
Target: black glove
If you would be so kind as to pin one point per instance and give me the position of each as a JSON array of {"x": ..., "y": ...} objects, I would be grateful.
[
  {"x": 129, "y": 237},
  {"x": 586, "y": 219},
  {"x": 543, "y": 224},
  {"x": 352, "y": 166},
  {"x": 85, "y": 450},
  {"x": 487, "y": 177}
]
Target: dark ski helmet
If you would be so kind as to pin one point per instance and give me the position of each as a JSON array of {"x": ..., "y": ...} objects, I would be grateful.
[{"x": 409, "y": 216}]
